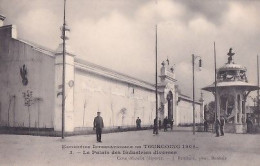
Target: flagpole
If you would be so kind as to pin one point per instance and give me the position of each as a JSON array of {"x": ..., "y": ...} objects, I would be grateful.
[
  {"x": 215, "y": 62},
  {"x": 63, "y": 71},
  {"x": 258, "y": 89},
  {"x": 156, "y": 88}
]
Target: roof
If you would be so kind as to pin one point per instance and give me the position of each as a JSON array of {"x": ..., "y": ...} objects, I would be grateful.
[
  {"x": 239, "y": 84},
  {"x": 37, "y": 47},
  {"x": 91, "y": 67},
  {"x": 188, "y": 99},
  {"x": 232, "y": 66}
]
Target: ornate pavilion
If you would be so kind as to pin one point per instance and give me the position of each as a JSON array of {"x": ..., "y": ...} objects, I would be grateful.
[{"x": 232, "y": 90}]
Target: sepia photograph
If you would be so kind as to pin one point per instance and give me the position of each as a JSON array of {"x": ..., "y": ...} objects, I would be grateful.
[{"x": 129, "y": 82}]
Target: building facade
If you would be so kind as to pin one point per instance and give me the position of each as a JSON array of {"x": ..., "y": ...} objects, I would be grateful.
[{"x": 31, "y": 86}]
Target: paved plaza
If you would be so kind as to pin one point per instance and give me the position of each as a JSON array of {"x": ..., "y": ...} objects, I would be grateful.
[{"x": 131, "y": 148}]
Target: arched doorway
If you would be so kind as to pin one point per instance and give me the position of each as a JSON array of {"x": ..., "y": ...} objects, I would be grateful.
[{"x": 170, "y": 105}]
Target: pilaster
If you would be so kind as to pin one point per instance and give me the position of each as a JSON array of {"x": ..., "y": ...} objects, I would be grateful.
[{"x": 69, "y": 91}]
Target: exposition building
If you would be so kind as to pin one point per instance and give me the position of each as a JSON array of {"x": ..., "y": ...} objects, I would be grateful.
[{"x": 31, "y": 84}]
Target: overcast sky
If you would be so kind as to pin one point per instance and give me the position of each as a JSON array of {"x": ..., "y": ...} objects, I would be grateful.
[{"x": 120, "y": 34}]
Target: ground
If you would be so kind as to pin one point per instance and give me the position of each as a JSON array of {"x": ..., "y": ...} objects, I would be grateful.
[{"x": 182, "y": 148}]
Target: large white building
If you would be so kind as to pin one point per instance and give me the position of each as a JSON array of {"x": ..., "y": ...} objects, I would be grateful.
[{"x": 30, "y": 87}]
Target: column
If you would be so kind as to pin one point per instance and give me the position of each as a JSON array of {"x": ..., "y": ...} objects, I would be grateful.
[
  {"x": 240, "y": 109},
  {"x": 244, "y": 109},
  {"x": 69, "y": 91},
  {"x": 235, "y": 120},
  {"x": 218, "y": 105}
]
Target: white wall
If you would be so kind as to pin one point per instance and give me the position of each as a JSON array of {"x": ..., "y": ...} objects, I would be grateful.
[
  {"x": 185, "y": 113},
  {"x": 110, "y": 96},
  {"x": 40, "y": 67}
]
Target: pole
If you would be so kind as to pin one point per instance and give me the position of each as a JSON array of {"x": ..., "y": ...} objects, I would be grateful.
[
  {"x": 193, "y": 93},
  {"x": 38, "y": 100},
  {"x": 215, "y": 62},
  {"x": 63, "y": 73},
  {"x": 8, "y": 116},
  {"x": 0, "y": 113},
  {"x": 156, "y": 88},
  {"x": 84, "y": 113},
  {"x": 14, "y": 112},
  {"x": 29, "y": 119},
  {"x": 258, "y": 90}
]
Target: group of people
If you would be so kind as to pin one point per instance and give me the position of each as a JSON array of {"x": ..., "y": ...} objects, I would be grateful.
[
  {"x": 219, "y": 125},
  {"x": 166, "y": 121},
  {"x": 99, "y": 125}
]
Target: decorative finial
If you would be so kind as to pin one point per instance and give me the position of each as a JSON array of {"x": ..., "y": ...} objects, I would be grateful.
[
  {"x": 230, "y": 54},
  {"x": 163, "y": 63},
  {"x": 172, "y": 69},
  {"x": 168, "y": 62}
]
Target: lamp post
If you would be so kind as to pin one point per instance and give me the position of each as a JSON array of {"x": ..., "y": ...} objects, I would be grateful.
[
  {"x": 64, "y": 29},
  {"x": 193, "y": 85},
  {"x": 258, "y": 90},
  {"x": 156, "y": 88}
]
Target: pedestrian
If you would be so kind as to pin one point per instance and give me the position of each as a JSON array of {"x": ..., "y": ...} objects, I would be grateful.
[
  {"x": 165, "y": 122},
  {"x": 138, "y": 123},
  {"x": 171, "y": 123},
  {"x": 249, "y": 125},
  {"x": 206, "y": 125},
  {"x": 222, "y": 124},
  {"x": 155, "y": 126},
  {"x": 160, "y": 124},
  {"x": 98, "y": 125},
  {"x": 217, "y": 123}
]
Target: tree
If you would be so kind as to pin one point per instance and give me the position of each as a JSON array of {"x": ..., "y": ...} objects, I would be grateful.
[{"x": 209, "y": 111}]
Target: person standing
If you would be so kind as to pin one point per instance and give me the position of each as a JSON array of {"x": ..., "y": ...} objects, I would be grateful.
[
  {"x": 165, "y": 122},
  {"x": 160, "y": 124},
  {"x": 138, "y": 123},
  {"x": 206, "y": 125},
  {"x": 98, "y": 125},
  {"x": 155, "y": 126},
  {"x": 217, "y": 123},
  {"x": 222, "y": 124},
  {"x": 249, "y": 125},
  {"x": 171, "y": 123}
]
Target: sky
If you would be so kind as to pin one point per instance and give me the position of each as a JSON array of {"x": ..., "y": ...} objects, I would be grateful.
[{"x": 120, "y": 34}]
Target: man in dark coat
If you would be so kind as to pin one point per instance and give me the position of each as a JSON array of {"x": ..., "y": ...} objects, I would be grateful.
[
  {"x": 154, "y": 126},
  {"x": 98, "y": 125},
  {"x": 222, "y": 124},
  {"x": 206, "y": 125},
  {"x": 165, "y": 122},
  {"x": 217, "y": 123},
  {"x": 171, "y": 123},
  {"x": 249, "y": 125},
  {"x": 138, "y": 123},
  {"x": 160, "y": 124}
]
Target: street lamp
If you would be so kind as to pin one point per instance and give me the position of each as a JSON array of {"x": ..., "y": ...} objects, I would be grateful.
[
  {"x": 64, "y": 38},
  {"x": 193, "y": 85},
  {"x": 156, "y": 87}
]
